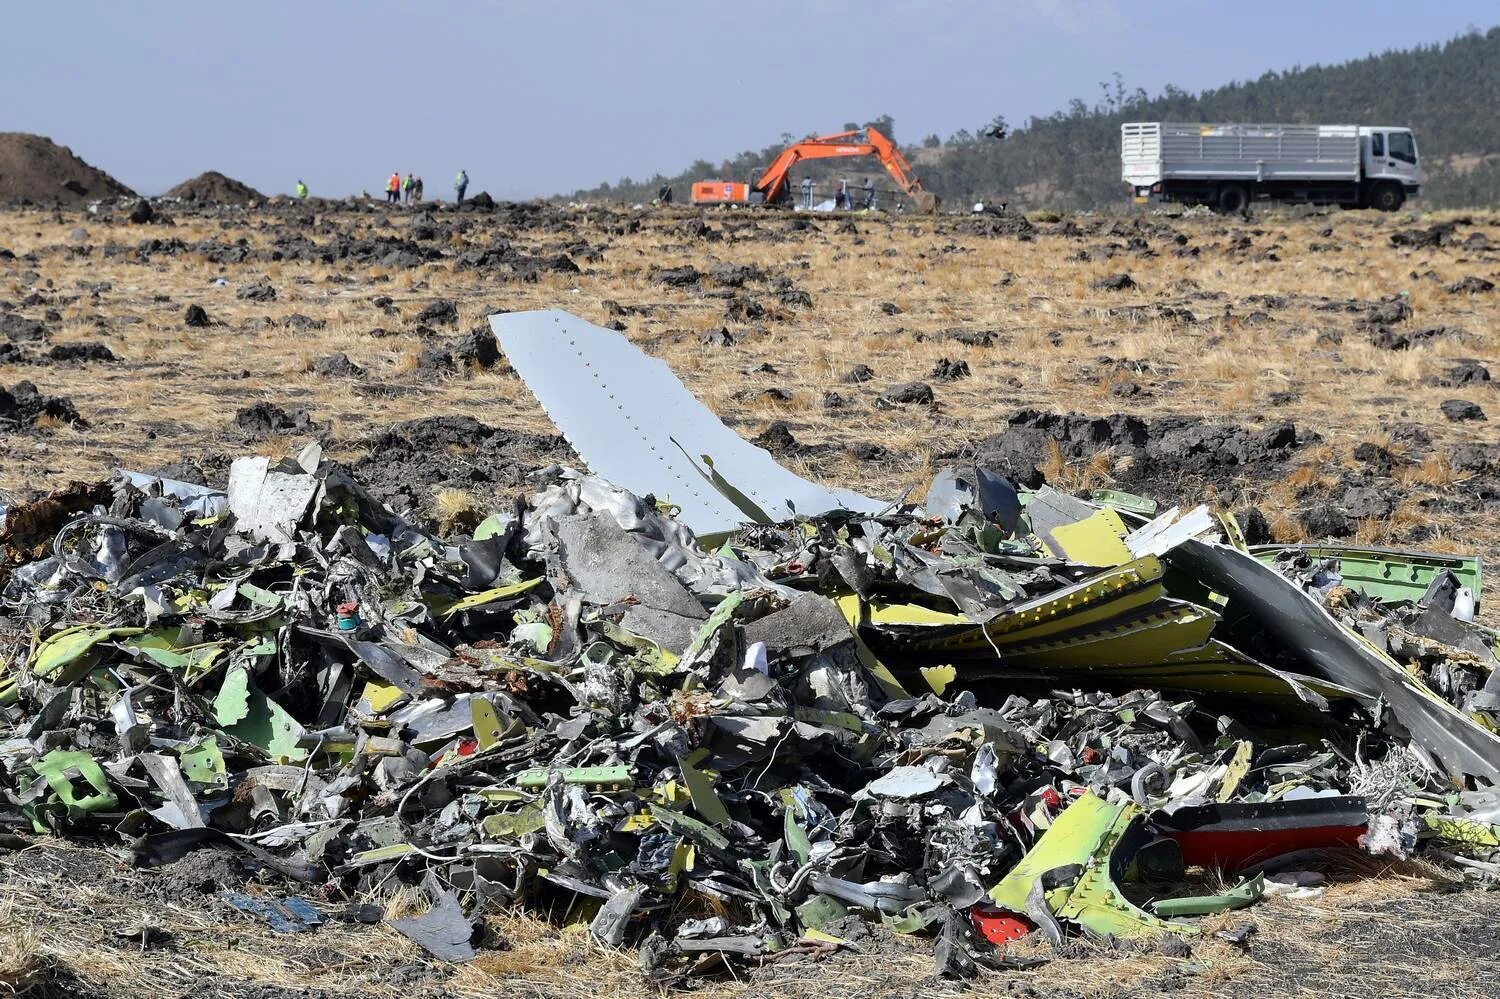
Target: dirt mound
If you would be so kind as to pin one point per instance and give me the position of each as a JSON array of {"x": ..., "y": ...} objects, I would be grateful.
[
  {"x": 409, "y": 462},
  {"x": 38, "y": 169},
  {"x": 215, "y": 188}
]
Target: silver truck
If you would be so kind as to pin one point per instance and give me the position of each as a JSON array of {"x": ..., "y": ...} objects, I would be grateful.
[{"x": 1229, "y": 166}]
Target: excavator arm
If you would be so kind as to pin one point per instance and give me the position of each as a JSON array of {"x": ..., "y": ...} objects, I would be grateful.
[
  {"x": 865, "y": 142},
  {"x": 895, "y": 164}
]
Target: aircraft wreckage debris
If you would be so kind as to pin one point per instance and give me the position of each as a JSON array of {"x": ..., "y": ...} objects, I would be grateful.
[{"x": 991, "y": 713}]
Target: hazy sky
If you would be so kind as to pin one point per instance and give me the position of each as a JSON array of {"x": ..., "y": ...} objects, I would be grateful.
[{"x": 546, "y": 97}]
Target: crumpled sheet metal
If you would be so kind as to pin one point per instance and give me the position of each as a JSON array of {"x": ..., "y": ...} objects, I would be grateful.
[
  {"x": 1447, "y": 738},
  {"x": 638, "y": 426},
  {"x": 580, "y": 708}
]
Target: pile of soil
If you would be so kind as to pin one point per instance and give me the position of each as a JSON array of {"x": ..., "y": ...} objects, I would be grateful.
[
  {"x": 38, "y": 169},
  {"x": 408, "y": 462},
  {"x": 215, "y": 188}
]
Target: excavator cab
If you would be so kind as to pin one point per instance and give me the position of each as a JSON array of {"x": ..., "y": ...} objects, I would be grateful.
[{"x": 724, "y": 192}]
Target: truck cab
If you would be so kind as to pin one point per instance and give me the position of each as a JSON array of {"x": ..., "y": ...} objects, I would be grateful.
[{"x": 1390, "y": 164}]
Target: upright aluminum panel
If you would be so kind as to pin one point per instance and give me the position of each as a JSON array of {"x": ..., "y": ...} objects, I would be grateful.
[
  {"x": 635, "y": 424},
  {"x": 1191, "y": 151}
]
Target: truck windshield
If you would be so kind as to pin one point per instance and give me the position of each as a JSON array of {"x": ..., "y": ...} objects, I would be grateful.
[{"x": 1402, "y": 147}]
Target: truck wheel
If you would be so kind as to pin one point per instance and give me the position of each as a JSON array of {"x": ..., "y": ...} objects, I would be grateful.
[
  {"x": 1233, "y": 199},
  {"x": 1387, "y": 197}
]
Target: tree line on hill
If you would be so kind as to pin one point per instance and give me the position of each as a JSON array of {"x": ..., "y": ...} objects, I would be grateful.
[{"x": 1448, "y": 93}]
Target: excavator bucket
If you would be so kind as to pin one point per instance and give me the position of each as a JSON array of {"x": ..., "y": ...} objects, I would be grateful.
[{"x": 927, "y": 202}]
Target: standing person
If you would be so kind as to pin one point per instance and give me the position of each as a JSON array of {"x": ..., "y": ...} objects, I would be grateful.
[
  {"x": 869, "y": 193},
  {"x": 393, "y": 188},
  {"x": 301, "y": 189},
  {"x": 461, "y": 184},
  {"x": 843, "y": 198},
  {"x": 807, "y": 193},
  {"x": 416, "y": 192},
  {"x": 406, "y": 188}
]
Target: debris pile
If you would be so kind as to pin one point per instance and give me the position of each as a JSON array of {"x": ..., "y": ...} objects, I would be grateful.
[{"x": 995, "y": 712}]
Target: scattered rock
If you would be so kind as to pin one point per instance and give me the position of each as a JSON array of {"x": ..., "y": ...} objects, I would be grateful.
[
  {"x": 720, "y": 337},
  {"x": 297, "y": 321},
  {"x": 90, "y": 350},
  {"x": 1115, "y": 282},
  {"x": 777, "y": 437},
  {"x": 1380, "y": 460},
  {"x": 1472, "y": 457},
  {"x": 257, "y": 291},
  {"x": 1326, "y": 520},
  {"x": 1362, "y": 502},
  {"x": 948, "y": 370},
  {"x": 440, "y": 311},
  {"x": 858, "y": 373},
  {"x": 1470, "y": 285},
  {"x": 1390, "y": 339},
  {"x": 476, "y": 349},
  {"x": 1459, "y": 410},
  {"x": 337, "y": 366},
  {"x": 1466, "y": 371},
  {"x": 1416, "y": 238},
  {"x": 265, "y": 418},
  {"x": 24, "y": 405},
  {"x": 195, "y": 317},
  {"x": 435, "y": 360},
  {"x": 1253, "y": 525},
  {"x": 685, "y": 276},
  {"x": 906, "y": 394},
  {"x": 17, "y": 328},
  {"x": 141, "y": 212},
  {"x": 744, "y": 309}
]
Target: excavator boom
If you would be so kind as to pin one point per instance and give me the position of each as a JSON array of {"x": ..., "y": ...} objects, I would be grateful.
[{"x": 772, "y": 185}]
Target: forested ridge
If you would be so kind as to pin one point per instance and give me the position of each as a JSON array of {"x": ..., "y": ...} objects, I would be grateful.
[{"x": 1449, "y": 93}]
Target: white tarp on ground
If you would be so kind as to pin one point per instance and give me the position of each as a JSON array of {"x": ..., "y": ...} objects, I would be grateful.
[{"x": 637, "y": 425}]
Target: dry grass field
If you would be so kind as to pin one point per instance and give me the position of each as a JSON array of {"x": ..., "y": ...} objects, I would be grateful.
[
  {"x": 1282, "y": 317},
  {"x": 1278, "y": 331}
]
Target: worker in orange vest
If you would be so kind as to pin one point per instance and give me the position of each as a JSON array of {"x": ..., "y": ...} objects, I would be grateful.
[{"x": 393, "y": 188}]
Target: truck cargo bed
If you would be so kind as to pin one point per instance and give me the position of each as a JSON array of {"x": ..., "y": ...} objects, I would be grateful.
[{"x": 1156, "y": 151}]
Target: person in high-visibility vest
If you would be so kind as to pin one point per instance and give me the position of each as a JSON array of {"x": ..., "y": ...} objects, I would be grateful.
[
  {"x": 393, "y": 188},
  {"x": 461, "y": 184},
  {"x": 406, "y": 186},
  {"x": 301, "y": 189}
]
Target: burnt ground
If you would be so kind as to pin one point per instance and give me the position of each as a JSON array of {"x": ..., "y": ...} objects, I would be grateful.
[
  {"x": 99, "y": 928},
  {"x": 1330, "y": 372}
]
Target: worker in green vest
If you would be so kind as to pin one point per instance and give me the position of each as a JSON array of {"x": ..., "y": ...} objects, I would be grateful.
[{"x": 301, "y": 189}]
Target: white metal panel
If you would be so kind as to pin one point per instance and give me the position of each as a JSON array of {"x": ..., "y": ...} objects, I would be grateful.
[
  {"x": 626, "y": 414},
  {"x": 1259, "y": 151},
  {"x": 1140, "y": 153}
]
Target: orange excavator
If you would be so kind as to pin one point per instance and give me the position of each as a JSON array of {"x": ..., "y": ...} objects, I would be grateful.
[{"x": 773, "y": 188}]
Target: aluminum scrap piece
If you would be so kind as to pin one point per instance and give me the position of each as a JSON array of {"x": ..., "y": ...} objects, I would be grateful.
[
  {"x": 1450, "y": 739},
  {"x": 631, "y": 419}
]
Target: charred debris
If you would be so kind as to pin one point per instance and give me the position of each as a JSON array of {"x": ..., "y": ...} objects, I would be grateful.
[{"x": 725, "y": 715}]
